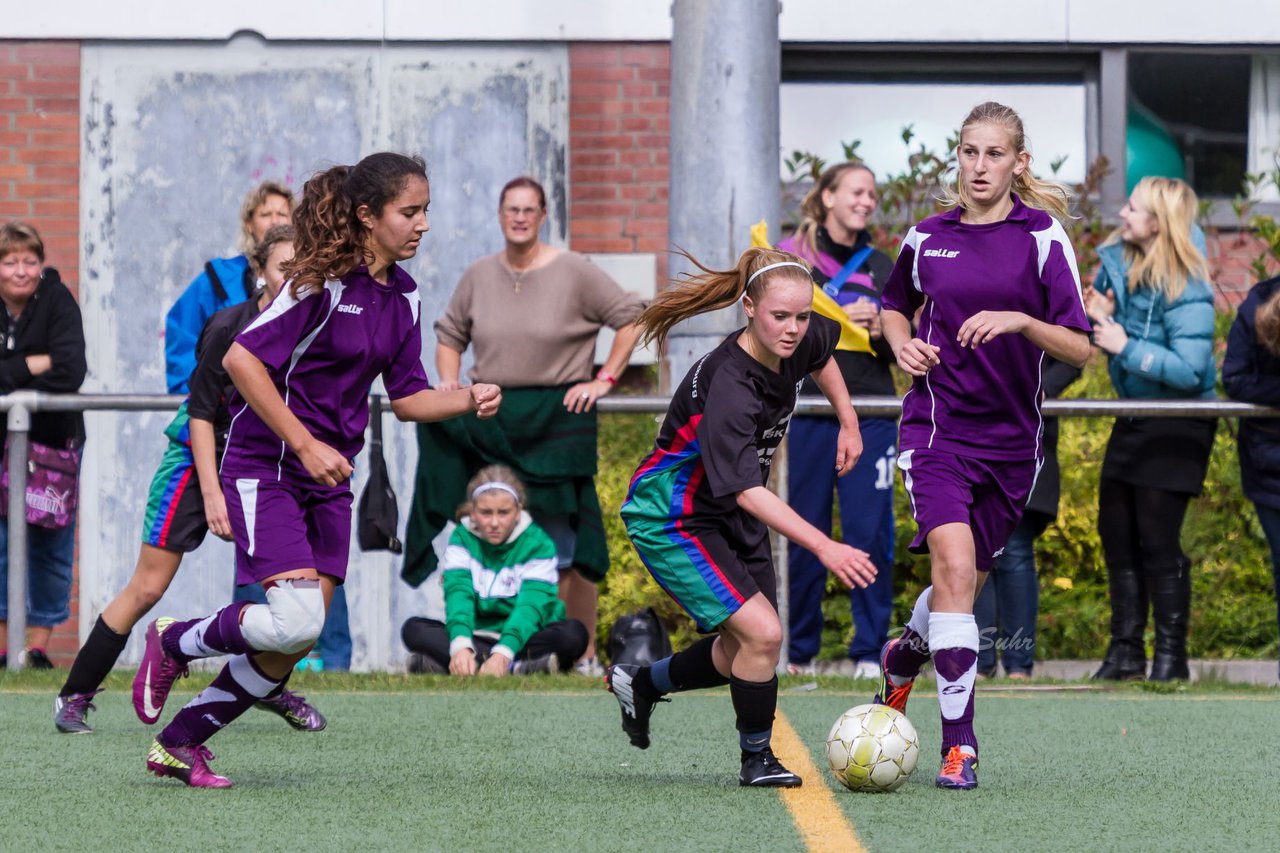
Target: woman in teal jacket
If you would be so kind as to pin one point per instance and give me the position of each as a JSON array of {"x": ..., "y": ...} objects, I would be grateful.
[
  {"x": 1152, "y": 306},
  {"x": 502, "y": 611}
]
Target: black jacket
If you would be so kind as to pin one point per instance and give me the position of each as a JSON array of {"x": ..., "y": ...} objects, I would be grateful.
[
  {"x": 1251, "y": 374},
  {"x": 49, "y": 325}
]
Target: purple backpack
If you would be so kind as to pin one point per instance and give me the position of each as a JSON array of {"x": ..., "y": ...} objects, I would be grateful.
[{"x": 52, "y": 485}]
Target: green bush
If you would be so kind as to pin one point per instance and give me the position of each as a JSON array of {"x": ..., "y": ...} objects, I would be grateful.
[{"x": 1233, "y": 603}]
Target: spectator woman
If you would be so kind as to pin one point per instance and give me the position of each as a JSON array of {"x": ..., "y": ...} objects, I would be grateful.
[
  {"x": 531, "y": 315},
  {"x": 1251, "y": 374},
  {"x": 502, "y": 614},
  {"x": 834, "y": 237},
  {"x": 222, "y": 283},
  {"x": 43, "y": 351},
  {"x": 1152, "y": 306}
]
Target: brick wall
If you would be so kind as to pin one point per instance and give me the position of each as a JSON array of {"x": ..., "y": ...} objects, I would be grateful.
[
  {"x": 40, "y": 180},
  {"x": 1231, "y": 256},
  {"x": 619, "y": 148}
]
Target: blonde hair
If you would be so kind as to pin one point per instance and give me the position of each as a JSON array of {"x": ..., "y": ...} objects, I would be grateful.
[
  {"x": 252, "y": 202},
  {"x": 1044, "y": 195},
  {"x": 1173, "y": 258},
  {"x": 492, "y": 474},
  {"x": 711, "y": 289},
  {"x": 813, "y": 211}
]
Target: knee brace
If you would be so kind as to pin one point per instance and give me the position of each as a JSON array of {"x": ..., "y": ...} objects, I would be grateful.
[{"x": 289, "y": 622}]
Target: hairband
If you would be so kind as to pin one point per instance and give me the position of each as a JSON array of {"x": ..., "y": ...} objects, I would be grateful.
[
  {"x": 496, "y": 486},
  {"x": 755, "y": 274}
]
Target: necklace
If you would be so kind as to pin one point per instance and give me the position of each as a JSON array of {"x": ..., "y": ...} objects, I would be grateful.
[{"x": 518, "y": 272}]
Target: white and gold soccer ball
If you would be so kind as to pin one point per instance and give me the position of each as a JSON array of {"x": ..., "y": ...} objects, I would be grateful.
[{"x": 872, "y": 748}]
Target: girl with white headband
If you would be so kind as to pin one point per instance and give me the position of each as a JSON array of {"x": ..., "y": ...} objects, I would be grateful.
[
  {"x": 698, "y": 510},
  {"x": 502, "y": 613}
]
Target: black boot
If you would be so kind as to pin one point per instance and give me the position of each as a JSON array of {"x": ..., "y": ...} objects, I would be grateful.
[
  {"x": 1126, "y": 658},
  {"x": 1171, "y": 608}
]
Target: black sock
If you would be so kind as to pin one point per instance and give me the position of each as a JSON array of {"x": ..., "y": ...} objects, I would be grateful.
[
  {"x": 94, "y": 660},
  {"x": 694, "y": 669},
  {"x": 754, "y": 702}
]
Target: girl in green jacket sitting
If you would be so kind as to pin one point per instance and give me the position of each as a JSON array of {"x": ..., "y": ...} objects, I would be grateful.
[{"x": 502, "y": 613}]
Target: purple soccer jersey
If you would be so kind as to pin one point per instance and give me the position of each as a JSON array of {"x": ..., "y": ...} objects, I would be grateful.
[
  {"x": 323, "y": 351},
  {"x": 982, "y": 402}
]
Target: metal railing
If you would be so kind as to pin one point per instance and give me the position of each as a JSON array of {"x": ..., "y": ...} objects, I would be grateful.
[{"x": 20, "y": 405}]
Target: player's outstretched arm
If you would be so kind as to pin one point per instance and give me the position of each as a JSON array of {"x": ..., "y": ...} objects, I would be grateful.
[
  {"x": 849, "y": 441},
  {"x": 323, "y": 463},
  {"x": 850, "y": 565},
  {"x": 435, "y": 405}
]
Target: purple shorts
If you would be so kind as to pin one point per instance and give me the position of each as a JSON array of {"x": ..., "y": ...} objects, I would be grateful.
[
  {"x": 284, "y": 525},
  {"x": 989, "y": 496}
]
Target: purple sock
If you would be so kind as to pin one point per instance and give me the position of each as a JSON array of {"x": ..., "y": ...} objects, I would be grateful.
[
  {"x": 235, "y": 689},
  {"x": 906, "y": 656},
  {"x": 209, "y": 637},
  {"x": 955, "y": 670}
]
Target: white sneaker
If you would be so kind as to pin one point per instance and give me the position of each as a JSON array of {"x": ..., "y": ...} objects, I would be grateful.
[
  {"x": 809, "y": 668},
  {"x": 867, "y": 669},
  {"x": 589, "y": 667}
]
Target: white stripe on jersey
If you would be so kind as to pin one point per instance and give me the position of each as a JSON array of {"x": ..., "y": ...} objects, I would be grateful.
[
  {"x": 933, "y": 399},
  {"x": 904, "y": 465},
  {"x": 415, "y": 303},
  {"x": 1044, "y": 243},
  {"x": 248, "y": 490},
  {"x": 915, "y": 239},
  {"x": 335, "y": 288}
]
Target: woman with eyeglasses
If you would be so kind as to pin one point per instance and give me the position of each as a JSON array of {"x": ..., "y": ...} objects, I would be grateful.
[{"x": 530, "y": 314}]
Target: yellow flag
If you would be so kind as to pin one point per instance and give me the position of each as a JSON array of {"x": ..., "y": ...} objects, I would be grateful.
[{"x": 853, "y": 338}]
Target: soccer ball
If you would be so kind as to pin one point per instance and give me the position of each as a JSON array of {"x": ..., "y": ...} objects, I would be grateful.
[{"x": 872, "y": 748}]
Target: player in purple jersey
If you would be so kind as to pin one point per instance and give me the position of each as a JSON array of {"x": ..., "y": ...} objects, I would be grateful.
[
  {"x": 184, "y": 504},
  {"x": 698, "y": 511},
  {"x": 302, "y": 372},
  {"x": 993, "y": 286}
]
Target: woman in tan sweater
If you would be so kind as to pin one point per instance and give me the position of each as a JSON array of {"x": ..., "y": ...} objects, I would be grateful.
[{"x": 531, "y": 314}]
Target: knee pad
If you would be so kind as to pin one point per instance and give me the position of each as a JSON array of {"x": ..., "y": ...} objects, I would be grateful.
[{"x": 289, "y": 622}]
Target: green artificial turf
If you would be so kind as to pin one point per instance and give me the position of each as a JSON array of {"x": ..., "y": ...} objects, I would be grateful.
[{"x": 434, "y": 764}]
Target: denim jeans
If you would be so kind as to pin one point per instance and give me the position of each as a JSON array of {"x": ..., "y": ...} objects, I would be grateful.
[
  {"x": 1270, "y": 519},
  {"x": 1009, "y": 603},
  {"x": 49, "y": 558},
  {"x": 334, "y": 645},
  {"x": 866, "y": 521}
]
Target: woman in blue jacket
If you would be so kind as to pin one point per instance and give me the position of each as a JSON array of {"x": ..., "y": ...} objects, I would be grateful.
[
  {"x": 222, "y": 283},
  {"x": 1152, "y": 306},
  {"x": 1251, "y": 374}
]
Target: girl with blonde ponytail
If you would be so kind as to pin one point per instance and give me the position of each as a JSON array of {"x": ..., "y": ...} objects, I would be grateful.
[
  {"x": 993, "y": 285},
  {"x": 698, "y": 511}
]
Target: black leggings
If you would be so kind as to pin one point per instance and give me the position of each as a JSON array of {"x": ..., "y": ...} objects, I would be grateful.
[
  {"x": 1140, "y": 527},
  {"x": 566, "y": 639}
]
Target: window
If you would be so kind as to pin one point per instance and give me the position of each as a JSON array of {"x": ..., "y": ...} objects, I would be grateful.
[
  {"x": 1188, "y": 118},
  {"x": 818, "y": 117}
]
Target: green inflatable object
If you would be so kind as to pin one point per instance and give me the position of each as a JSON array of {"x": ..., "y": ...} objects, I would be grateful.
[{"x": 1149, "y": 149}]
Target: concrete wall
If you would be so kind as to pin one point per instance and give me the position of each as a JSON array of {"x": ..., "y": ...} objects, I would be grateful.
[{"x": 173, "y": 137}]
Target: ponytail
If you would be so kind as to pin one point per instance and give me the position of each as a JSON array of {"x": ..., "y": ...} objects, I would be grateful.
[
  {"x": 328, "y": 243},
  {"x": 331, "y": 241},
  {"x": 712, "y": 289}
]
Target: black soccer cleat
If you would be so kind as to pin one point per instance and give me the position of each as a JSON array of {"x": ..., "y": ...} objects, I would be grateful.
[
  {"x": 636, "y": 709},
  {"x": 763, "y": 770}
]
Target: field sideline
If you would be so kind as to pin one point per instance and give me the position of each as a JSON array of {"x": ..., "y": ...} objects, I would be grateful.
[{"x": 425, "y": 764}]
